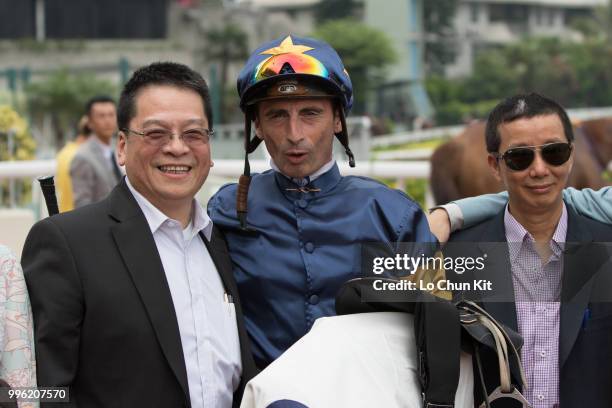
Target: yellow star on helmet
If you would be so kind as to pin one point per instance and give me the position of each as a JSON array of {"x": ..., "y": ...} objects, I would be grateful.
[{"x": 286, "y": 47}]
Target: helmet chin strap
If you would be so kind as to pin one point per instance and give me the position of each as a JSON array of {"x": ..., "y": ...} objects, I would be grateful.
[
  {"x": 343, "y": 137},
  {"x": 242, "y": 195}
]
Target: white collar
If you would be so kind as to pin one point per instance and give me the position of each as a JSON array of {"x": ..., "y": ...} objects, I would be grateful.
[
  {"x": 312, "y": 177},
  {"x": 155, "y": 218}
]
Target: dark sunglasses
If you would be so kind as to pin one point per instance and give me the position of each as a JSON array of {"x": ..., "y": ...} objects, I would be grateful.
[{"x": 520, "y": 158}]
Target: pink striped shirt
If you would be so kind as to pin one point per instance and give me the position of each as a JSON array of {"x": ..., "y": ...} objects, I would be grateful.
[{"x": 537, "y": 293}]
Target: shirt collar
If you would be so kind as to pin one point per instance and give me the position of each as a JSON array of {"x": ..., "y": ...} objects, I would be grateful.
[
  {"x": 516, "y": 233},
  {"x": 324, "y": 182},
  {"x": 155, "y": 218},
  {"x": 311, "y": 177}
]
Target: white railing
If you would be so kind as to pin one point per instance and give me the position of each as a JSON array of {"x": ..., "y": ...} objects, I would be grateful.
[
  {"x": 415, "y": 136},
  {"x": 451, "y": 131},
  {"x": 226, "y": 171},
  {"x": 10, "y": 170}
]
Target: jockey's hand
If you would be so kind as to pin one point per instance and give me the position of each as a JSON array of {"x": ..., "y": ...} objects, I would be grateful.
[{"x": 439, "y": 224}]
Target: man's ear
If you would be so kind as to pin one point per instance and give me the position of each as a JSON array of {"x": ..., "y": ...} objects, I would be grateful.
[
  {"x": 337, "y": 123},
  {"x": 254, "y": 116},
  {"x": 258, "y": 131},
  {"x": 121, "y": 148},
  {"x": 494, "y": 166},
  {"x": 337, "y": 120}
]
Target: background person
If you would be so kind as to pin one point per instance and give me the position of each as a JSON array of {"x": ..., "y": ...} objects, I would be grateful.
[
  {"x": 17, "y": 361},
  {"x": 94, "y": 170},
  {"x": 64, "y": 160}
]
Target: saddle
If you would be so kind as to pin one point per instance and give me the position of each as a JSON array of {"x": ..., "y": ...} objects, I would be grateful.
[{"x": 442, "y": 330}]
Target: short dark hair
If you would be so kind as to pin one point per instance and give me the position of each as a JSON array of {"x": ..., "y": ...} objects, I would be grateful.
[
  {"x": 161, "y": 73},
  {"x": 523, "y": 106},
  {"x": 97, "y": 99}
]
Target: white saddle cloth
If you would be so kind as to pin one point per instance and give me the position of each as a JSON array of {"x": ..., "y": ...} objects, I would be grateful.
[{"x": 359, "y": 360}]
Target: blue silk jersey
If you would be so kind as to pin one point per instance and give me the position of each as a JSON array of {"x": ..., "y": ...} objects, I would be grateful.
[{"x": 305, "y": 246}]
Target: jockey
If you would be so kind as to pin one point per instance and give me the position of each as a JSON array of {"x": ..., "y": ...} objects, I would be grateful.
[{"x": 294, "y": 232}]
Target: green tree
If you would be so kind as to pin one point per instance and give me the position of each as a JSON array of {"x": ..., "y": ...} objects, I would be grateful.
[
  {"x": 14, "y": 125},
  {"x": 16, "y": 143},
  {"x": 63, "y": 96},
  {"x": 365, "y": 51},
  {"x": 440, "y": 42},
  {"x": 597, "y": 25},
  {"x": 575, "y": 74},
  {"x": 225, "y": 45}
]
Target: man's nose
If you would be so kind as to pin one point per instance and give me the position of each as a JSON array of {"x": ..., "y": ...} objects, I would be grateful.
[
  {"x": 539, "y": 167},
  {"x": 294, "y": 131},
  {"x": 176, "y": 146}
]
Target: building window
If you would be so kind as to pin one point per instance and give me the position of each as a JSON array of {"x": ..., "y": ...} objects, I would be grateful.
[
  {"x": 474, "y": 12},
  {"x": 20, "y": 21},
  {"x": 538, "y": 16},
  {"x": 105, "y": 19},
  {"x": 508, "y": 13},
  {"x": 551, "y": 17}
]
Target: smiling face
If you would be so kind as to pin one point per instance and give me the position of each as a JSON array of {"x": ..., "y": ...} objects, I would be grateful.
[
  {"x": 539, "y": 187},
  {"x": 168, "y": 176},
  {"x": 298, "y": 133}
]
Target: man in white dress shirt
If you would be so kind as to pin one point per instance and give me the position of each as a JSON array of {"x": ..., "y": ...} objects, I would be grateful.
[{"x": 133, "y": 297}]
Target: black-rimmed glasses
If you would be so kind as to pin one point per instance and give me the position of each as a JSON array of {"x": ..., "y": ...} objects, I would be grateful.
[
  {"x": 160, "y": 137},
  {"x": 520, "y": 158}
]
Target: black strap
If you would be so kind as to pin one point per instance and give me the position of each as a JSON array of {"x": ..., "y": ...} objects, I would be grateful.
[{"x": 438, "y": 336}]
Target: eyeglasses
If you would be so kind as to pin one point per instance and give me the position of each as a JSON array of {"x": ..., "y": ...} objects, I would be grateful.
[
  {"x": 196, "y": 137},
  {"x": 300, "y": 63},
  {"x": 520, "y": 158}
]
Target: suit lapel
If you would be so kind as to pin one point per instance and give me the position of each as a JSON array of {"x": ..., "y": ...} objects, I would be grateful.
[
  {"x": 500, "y": 301},
  {"x": 137, "y": 247},
  {"x": 581, "y": 260}
]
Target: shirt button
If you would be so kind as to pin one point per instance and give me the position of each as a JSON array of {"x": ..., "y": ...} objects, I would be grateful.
[
  {"x": 542, "y": 354},
  {"x": 540, "y": 397},
  {"x": 313, "y": 299},
  {"x": 302, "y": 203},
  {"x": 309, "y": 247}
]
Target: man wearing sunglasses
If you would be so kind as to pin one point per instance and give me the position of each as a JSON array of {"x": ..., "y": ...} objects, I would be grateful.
[
  {"x": 295, "y": 239},
  {"x": 553, "y": 282}
]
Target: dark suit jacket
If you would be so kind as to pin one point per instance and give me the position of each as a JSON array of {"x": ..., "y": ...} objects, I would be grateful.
[
  {"x": 104, "y": 320},
  {"x": 585, "y": 344}
]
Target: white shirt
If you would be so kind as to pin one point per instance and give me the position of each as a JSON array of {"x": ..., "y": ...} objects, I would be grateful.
[{"x": 206, "y": 319}]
